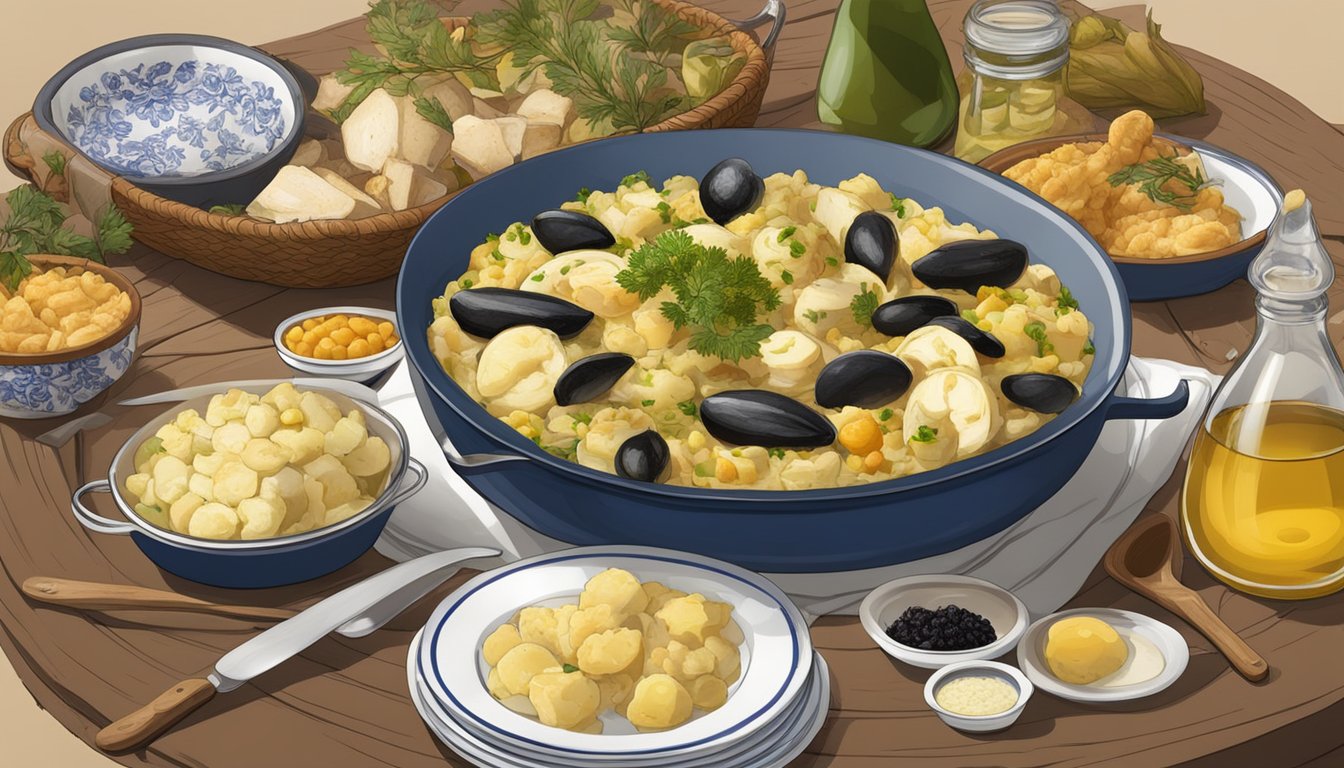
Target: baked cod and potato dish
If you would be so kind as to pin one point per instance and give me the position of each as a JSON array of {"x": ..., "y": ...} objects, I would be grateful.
[{"x": 760, "y": 333}]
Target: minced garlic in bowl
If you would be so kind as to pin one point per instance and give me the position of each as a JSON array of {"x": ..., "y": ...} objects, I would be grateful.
[{"x": 976, "y": 696}]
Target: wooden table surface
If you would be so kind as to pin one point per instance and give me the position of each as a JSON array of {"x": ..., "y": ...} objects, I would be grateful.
[{"x": 343, "y": 702}]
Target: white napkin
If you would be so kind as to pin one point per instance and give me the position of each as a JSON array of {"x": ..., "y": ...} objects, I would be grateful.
[{"x": 1044, "y": 558}]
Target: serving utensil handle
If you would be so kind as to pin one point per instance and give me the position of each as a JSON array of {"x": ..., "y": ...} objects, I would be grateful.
[
  {"x": 94, "y": 596},
  {"x": 144, "y": 724},
  {"x": 1241, "y": 656}
]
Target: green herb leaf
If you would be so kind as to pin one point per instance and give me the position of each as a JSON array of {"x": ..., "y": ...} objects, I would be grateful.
[
  {"x": 647, "y": 403},
  {"x": 635, "y": 178},
  {"x": 797, "y": 249},
  {"x": 35, "y": 225},
  {"x": 582, "y": 196},
  {"x": 433, "y": 110},
  {"x": 14, "y": 267},
  {"x": 777, "y": 453},
  {"x": 1065, "y": 303},
  {"x": 687, "y": 407},
  {"x": 832, "y": 261},
  {"x": 55, "y": 162},
  {"x": 1155, "y": 178},
  {"x": 786, "y": 276},
  {"x": 1089, "y": 349},
  {"x": 898, "y": 205},
  {"x": 812, "y": 316},
  {"x": 718, "y": 297},
  {"x": 863, "y": 305},
  {"x": 786, "y": 233},
  {"x": 924, "y": 434},
  {"x": 537, "y": 278},
  {"x": 665, "y": 212},
  {"x": 570, "y": 668},
  {"x": 582, "y": 418},
  {"x": 885, "y": 413},
  {"x": 112, "y": 234},
  {"x": 228, "y": 209},
  {"x": 1036, "y": 332},
  {"x": 970, "y": 316}
]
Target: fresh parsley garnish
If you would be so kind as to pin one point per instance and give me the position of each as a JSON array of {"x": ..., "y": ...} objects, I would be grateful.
[
  {"x": 665, "y": 212},
  {"x": 898, "y": 205},
  {"x": 687, "y": 407},
  {"x": 1036, "y": 332},
  {"x": 832, "y": 261},
  {"x": 1154, "y": 177},
  {"x": 229, "y": 209},
  {"x": 582, "y": 196},
  {"x": 635, "y": 178},
  {"x": 35, "y": 224},
  {"x": 924, "y": 434},
  {"x": 719, "y": 297},
  {"x": 777, "y": 453},
  {"x": 55, "y": 162},
  {"x": 787, "y": 277},
  {"x": 568, "y": 668},
  {"x": 1089, "y": 348},
  {"x": 433, "y": 110},
  {"x": 863, "y": 305},
  {"x": 647, "y": 403},
  {"x": 885, "y": 413},
  {"x": 582, "y": 418}
]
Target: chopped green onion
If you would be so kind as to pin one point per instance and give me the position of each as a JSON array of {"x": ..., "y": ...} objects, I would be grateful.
[
  {"x": 925, "y": 434},
  {"x": 885, "y": 413},
  {"x": 786, "y": 233}
]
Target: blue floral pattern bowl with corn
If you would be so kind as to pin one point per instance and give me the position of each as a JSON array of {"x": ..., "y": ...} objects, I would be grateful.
[
  {"x": 68, "y": 331},
  {"x": 193, "y": 118}
]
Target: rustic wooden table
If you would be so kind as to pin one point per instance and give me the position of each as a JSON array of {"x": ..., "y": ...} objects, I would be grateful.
[{"x": 343, "y": 702}]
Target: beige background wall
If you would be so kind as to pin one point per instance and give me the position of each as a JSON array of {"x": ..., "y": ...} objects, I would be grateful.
[{"x": 1291, "y": 43}]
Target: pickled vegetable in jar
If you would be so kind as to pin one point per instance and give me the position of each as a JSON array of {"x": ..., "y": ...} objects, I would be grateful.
[
  {"x": 1012, "y": 88},
  {"x": 1263, "y": 504}
]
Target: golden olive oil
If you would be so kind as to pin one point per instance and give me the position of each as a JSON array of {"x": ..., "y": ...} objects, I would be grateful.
[{"x": 1263, "y": 505}]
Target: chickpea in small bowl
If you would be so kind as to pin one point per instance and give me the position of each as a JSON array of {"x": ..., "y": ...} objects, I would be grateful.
[
  {"x": 68, "y": 331},
  {"x": 354, "y": 343}
]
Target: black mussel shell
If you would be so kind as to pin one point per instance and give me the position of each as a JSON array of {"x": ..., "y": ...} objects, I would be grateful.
[
  {"x": 865, "y": 378},
  {"x": 486, "y": 312},
  {"x": 872, "y": 242},
  {"x": 1041, "y": 392},
  {"x": 899, "y": 317},
  {"x": 643, "y": 457},
  {"x": 590, "y": 378},
  {"x": 983, "y": 342},
  {"x": 559, "y": 231},
  {"x": 768, "y": 419},
  {"x": 730, "y": 189},
  {"x": 969, "y": 264}
]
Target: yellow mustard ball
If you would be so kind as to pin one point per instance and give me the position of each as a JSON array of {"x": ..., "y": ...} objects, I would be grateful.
[{"x": 340, "y": 337}]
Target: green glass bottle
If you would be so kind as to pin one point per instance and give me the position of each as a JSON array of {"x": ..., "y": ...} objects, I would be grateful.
[{"x": 886, "y": 74}]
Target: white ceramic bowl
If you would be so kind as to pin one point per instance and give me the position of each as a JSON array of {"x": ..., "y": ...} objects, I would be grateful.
[
  {"x": 979, "y": 723},
  {"x": 1175, "y": 651},
  {"x": 885, "y": 604},
  {"x": 363, "y": 369}
]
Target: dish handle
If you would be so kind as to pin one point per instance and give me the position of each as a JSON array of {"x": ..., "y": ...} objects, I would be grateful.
[
  {"x": 1150, "y": 408},
  {"x": 477, "y": 463},
  {"x": 775, "y": 12},
  {"x": 405, "y": 492},
  {"x": 92, "y": 520}
]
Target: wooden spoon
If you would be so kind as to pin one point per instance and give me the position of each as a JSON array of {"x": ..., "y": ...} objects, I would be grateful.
[
  {"x": 92, "y": 596},
  {"x": 1147, "y": 560}
]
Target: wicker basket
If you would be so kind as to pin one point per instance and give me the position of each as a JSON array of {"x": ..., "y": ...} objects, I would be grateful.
[{"x": 330, "y": 254}]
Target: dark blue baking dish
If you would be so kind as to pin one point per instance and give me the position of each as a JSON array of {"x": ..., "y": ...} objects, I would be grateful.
[
  {"x": 256, "y": 563},
  {"x": 780, "y": 531}
]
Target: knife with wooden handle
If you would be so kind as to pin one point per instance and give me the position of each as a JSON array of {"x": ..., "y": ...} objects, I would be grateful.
[{"x": 281, "y": 642}]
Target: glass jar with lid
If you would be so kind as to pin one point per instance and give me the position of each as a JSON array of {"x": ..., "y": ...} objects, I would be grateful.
[{"x": 1012, "y": 88}]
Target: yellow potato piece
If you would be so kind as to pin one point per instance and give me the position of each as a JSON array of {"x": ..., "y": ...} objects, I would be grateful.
[
  {"x": 539, "y": 626},
  {"x": 564, "y": 699},
  {"x": 688, "y": 619},
  {"x": 659, "y": 701},
  {"x": 521, "y": 663},
  {"x": 611, "y": 651},
  {"x": 617, "y": 588},
  {"x": 708, "y": 692},
  {"x": 500, "y": 642}
]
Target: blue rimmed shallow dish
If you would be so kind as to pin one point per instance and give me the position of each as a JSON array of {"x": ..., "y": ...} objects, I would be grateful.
[
  {"x": 1246, "y": 187},
  {"x": 776, "y": 653},
  {"x": 827, "y": 529},
  {"x": 193, "y": 118}
]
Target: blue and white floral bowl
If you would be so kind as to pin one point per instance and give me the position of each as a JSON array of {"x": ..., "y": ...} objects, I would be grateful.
[
  {"x": 198, "y": 119},
  {"x": 56, "y": 383}
]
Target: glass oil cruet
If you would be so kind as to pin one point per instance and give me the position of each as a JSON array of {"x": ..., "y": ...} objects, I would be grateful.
[{"x": 1263, "y": 505}]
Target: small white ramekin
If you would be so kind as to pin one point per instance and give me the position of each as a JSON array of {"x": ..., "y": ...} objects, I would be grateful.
[
  {"x": 979, "y": 723},
  {"x": 362, "y": 369}
]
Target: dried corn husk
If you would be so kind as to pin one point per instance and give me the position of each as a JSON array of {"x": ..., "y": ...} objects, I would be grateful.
[{"x": 1112, "y": 66}]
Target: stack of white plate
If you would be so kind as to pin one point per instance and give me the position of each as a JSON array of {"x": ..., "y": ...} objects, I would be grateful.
[{"x": 773, "y": 710}]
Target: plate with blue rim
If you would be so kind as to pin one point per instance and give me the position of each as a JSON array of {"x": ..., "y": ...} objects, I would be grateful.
[
  {"x": 774, "y": 745},
  {"x": 776, "y": 652}
]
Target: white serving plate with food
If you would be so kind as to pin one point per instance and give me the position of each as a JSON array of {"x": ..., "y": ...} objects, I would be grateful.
[
  {"x": 885, "y": 604},
  {"x": 776, "y": 651},
  {"x": 1175, "y": 653},
  {"x": 775, "y": 745}
]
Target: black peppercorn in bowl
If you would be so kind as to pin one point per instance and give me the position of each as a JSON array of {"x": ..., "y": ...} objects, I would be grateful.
[{"x": 950, "y": 610}]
